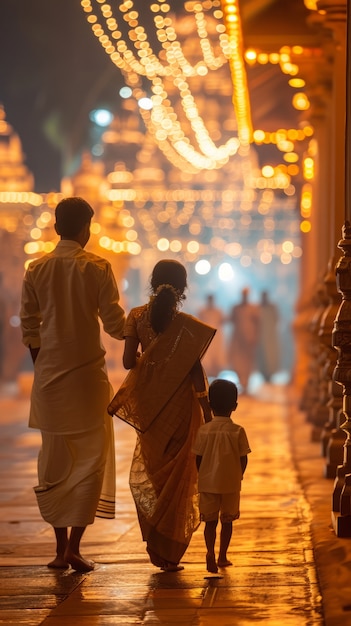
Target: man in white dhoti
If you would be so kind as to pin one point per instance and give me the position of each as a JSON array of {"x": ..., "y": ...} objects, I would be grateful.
[
  {"x": 242, "y": 354},
  {"x": 64, "y": 294}
]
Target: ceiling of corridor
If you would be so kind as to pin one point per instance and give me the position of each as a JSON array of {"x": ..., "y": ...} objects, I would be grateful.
[{"x": 269, "y": 25}]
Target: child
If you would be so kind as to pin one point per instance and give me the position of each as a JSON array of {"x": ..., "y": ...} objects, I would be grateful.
[{"x": 221, "y": 449}]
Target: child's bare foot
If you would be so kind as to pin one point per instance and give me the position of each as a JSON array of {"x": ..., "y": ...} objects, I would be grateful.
[
  {"x": 211, "y": 564},
  {"x": 78, "y": 563},
  {"x": 224, "y": 563},
  {"x": 59, "y": 562}
]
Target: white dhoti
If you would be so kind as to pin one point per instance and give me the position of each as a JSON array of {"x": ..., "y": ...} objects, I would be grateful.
[{"x": 76, "y": 475}]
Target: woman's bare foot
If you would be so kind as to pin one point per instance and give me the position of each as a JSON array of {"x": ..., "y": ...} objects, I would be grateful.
[
  {"x": 78, "y": 563},
  {"x": 59, "y": 562},
  {"x": 211, "y": 564},
  {"x": 224, "y": 563}
]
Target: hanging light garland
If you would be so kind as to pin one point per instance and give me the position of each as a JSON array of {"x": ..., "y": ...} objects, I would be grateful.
[
  {"x": 241, "y": 102},
  {"x": 136, "y": 59}
]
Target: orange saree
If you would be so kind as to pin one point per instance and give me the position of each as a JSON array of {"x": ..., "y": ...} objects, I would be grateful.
[{"x": 157, "y": 398}]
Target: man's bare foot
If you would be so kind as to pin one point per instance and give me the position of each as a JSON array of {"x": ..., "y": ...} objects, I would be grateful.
[
  {"x": 78, "y": 563},
  {"x": 211, "y": 564},
  {"x": 59, "y": 563},
  {"x": 224, "y": 563}
]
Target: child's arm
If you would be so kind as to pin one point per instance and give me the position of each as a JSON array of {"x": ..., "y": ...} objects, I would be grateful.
[
  {"x": 243, "y": 462},
  {"x": 198, "y": 461}
]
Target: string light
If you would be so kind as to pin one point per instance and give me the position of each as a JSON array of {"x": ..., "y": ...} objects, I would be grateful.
[
  {"x": 124, "y": 38},
  {"x": 169, "y": 220},
  {"x": 171, "y": 66},
  {"x": 241, "y": 102}
]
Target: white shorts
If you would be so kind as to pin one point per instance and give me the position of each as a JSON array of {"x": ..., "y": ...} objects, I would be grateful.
[{"x": 224, "y": 504}]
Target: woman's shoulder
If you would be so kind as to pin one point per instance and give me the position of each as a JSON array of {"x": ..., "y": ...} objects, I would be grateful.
[{"x": 138, "y": 311}]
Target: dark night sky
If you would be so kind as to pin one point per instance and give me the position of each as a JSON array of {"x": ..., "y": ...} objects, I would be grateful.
[{"x": 53, "y": 71}]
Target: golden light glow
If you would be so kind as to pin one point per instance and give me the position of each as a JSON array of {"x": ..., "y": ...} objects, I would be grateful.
[
  {"x": 48, "y": 246},
  {"x": 291, "y": 157},
  {"x": 136, "y": 59},
  {"x": 95, "y": 228},
  {"x": 311, "y": 4},
  {"x": 163, "y": 244},
  {"x": 296, "y": 82},
  {"x": 285, "y": 139},
  {"x": 135, "y": 216},
  {"x": 285, "y": 258},
  {"x": 32, "y": 247},
  {"x": 35, "y": 233},
  {"x": 193, "y": 247},
  {"x": 287, "y": 246},
  {"x": 305, "y": 226},
  {"x": 308, "y": 168},
  {"x": 268, "y": 171},
  {"x": 301, "y": 102},
  {"x": 127, "y": 41},
  {"x": 20, "y": 197},
  {"x": 175, "y": 245},
  {"x": 250, "y": 56},
  {"x": 259, "y": 136},
  {"x": 306, "y": 201},
  {"x": 241, "y": 101},
  {"x": 265, "y": 258}
]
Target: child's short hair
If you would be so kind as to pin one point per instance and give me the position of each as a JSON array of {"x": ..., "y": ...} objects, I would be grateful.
[
  {"x": 71, "y": 215},
  {"x": 223, "y": 396}
]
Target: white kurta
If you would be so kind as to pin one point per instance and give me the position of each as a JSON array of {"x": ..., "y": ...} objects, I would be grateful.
[
  {"x": 64, "y": 295},
  {"x": 220, "y": 443}
]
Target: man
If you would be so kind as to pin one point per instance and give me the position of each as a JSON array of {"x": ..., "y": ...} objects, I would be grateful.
[
  {"x": 242, "y": 353},
  {"x": 214, "y": 360},
  {"x": 64, "y": 295}
]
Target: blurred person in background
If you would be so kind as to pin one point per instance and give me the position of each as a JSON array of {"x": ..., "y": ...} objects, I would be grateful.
[
  {"x": 242, "y": 352},
  {"x": 214, "y": 360},
  {"x": 268, "y": 353}
]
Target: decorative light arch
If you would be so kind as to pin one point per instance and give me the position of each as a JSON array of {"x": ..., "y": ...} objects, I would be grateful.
[{"x": 135, "y": 57}]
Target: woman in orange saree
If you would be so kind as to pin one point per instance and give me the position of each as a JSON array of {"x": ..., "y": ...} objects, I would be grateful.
[{"x": 164, "y": 397}]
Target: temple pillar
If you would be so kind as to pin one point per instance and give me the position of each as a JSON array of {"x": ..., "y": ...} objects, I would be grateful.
[
  {"x": 334, "y": 20},
  {"x": 341, "y": 334}
]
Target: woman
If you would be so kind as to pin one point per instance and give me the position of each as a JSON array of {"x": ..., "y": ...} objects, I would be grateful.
[{"x": 162, "y": 398}]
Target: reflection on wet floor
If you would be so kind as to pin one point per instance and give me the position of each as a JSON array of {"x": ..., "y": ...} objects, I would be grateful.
[{"x": 272, "y": 580}]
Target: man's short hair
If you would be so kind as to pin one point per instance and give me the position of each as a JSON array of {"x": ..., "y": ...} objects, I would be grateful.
[
  {"x": 223, "y": 396},
  {"x": 71, "y": 215}
]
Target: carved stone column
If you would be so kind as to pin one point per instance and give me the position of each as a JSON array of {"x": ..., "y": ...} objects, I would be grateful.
[
  {"x": 317, "y": 410},
  {"x": 341, "y": 338},
  {"x": 334, "y": 20},
  {"x": 332, "y": 438}
]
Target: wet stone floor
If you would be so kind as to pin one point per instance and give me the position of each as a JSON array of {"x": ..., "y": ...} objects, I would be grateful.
[{"x": 272, "y": 581}]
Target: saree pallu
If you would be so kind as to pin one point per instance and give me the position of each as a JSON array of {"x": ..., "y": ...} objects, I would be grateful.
[{"x": 157, "y": 398}]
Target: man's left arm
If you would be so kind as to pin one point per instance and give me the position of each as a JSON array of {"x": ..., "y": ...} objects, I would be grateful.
[
  {"x": 30, "y": 318},
  {"x": 111, "y": 313}
]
